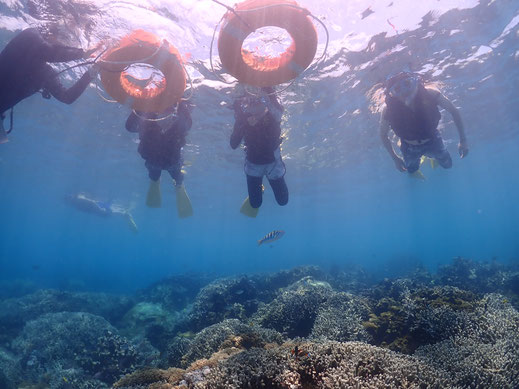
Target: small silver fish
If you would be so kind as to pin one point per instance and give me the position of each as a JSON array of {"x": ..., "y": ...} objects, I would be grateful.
[{"x": 271, "y": 237}]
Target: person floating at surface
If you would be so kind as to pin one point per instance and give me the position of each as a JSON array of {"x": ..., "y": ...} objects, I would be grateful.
[
  {"x": 411, "y": 111},
  {"x": 86, "y": 204},
  {"x": 257, "y": 123},
  {"x": 162, "y": 137},
  {"x": 24, "y": 70}
]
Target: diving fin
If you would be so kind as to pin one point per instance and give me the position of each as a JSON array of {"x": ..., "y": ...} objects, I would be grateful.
[
  {"x": 433, "y": 162},
  {"x": 154, "y": 198},
  {"x": 418, "y": 175},
  {"x": 247, "y": 209},
  {"x": 184, "y": 207}
]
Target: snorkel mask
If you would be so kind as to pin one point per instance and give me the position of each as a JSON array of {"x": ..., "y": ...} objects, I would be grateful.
[{"x": 403, "y": 86}]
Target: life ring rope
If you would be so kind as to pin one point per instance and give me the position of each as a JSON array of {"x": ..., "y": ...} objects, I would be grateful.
[
  {"x": 143, "y": 48},
  {"x": 136, "y": 61},
  {"x": 237, "y": 12},
  {"x": 107, "y": 100}
]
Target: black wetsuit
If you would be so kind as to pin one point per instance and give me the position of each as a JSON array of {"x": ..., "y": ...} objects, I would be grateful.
[
  {"x": 24, "y": 70},
  {"x": 162, "y": 148},
  {"x": 262, "y": 140}
]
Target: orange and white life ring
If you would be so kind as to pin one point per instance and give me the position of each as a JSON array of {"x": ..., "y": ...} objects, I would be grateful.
[
  {"x": 265, "y": 71},
  {"x": 143, "y": 47}
]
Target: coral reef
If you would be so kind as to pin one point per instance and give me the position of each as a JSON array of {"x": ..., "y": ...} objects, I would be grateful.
[
  {"x": 418, "y": 332},
  {"x": 229, "y": 298},
  {"x": 149, "y": 376},
  {"x": 479, "y": 277},
  {"x": 9, "y": 370},
  {"x": 239, "y": 298},
  {"x": 484, "y": 352},
  {"x": 14, "y": 313},
  {"x": 228, "y": 333},
  {"x": 294, "y": 310},
  {"x": 341, "y": 319},
  {"x": 152, "y": 322},
  {"x": 174, "y": 293},
  {"x": 328, "y": 365},
  {"x": 69, "y": 340},
  {"x": 405, "y": 315}
]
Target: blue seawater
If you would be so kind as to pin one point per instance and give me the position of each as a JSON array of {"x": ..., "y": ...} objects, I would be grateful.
[{"x": 347, "y": 202}]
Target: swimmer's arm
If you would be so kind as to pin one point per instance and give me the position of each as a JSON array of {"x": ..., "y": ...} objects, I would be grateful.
[
  {"x": 444, "y": 102},
  {"x": 384, "y": 136},
  {"x": 56, "y": 52},
  {"x": 447, "y": 104},
  {"x": 67, "y": 96}
]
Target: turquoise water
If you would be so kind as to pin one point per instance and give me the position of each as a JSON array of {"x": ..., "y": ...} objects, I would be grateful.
[{"x": 348, "y": 204}]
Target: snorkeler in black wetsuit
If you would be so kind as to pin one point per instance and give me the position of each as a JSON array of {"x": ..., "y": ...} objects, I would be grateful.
[
  {"x": 24, "y": 70},
  {"x": 162, "y": 137},
  {"x": 257, "y": 123},
  {"x": 161, "y": 141}
]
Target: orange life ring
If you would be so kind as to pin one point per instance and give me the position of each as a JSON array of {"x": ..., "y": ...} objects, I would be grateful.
[
  {"x": 265, "y": 71},
  {"x": 144, "y": 47}
]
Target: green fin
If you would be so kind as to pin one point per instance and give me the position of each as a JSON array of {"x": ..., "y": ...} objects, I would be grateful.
[
  {"x": 184, "y": 207},
  {"x": 154, "y": 198},
  {"x": 418, "y": 175},
  {"x": 247, "y": 209}
]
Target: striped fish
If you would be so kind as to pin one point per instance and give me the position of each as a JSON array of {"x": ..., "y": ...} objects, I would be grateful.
[{"x": 271, "y": 237}]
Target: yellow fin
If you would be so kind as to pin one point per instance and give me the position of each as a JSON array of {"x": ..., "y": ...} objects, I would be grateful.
[
  {"x": 418, "y": 175},
  {"x": 154, "y": 198},
  {"x": 184, "y": 207},
  {"x": 247, "y": 209}
]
